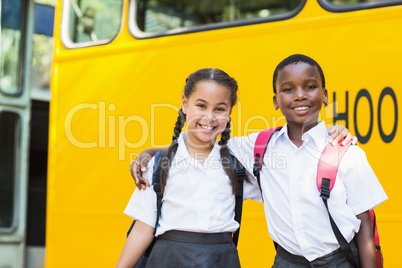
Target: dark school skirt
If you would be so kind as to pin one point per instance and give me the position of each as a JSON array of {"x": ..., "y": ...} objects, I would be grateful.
[
  {"x": 176, "y": 249},
  {"x": 335, "y": 259}
]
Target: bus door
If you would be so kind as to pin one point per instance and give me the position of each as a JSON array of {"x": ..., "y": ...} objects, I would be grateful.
[
  {"x": 14, "y": 130},
  {"x": 25, "y": 53}
]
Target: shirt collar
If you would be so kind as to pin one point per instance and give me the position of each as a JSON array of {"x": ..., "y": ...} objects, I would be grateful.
[
  {"x": 283, "y": 132},
  {"x": 183, "y": 155},
  {"x": 317, "y": 136}
]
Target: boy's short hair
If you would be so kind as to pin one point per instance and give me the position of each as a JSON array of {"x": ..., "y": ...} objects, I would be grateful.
[{"x": 296, "y": 58}]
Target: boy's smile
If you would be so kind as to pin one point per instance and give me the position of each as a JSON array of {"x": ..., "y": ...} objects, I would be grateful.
[{"x": 300, "y": 94}]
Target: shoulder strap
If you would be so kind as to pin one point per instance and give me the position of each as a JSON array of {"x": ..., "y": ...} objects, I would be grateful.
[
  {"x": 155, "y": 167},
  {"x": 328, "y": 167},
  {"x": 376, "y": 240},
  {"x": 326, "y": 175},
  {"x": 260, "y": 147},
  {"x": 157, "y": 185},
  {"x": 241, "y": 176}
]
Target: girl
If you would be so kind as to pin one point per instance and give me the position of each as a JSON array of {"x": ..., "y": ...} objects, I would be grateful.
[{"x": 199, "y": 185}]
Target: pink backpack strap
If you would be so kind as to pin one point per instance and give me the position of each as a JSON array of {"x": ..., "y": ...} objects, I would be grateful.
[
  {"x": 259, "y": 149},
  {"x": 326, "y": 175},
  {"x": 375, "y": 230},
  {"x": 328, "y": 165},
  {"x": 261, "y": 143},
  {"x": 376, "y": 240}
]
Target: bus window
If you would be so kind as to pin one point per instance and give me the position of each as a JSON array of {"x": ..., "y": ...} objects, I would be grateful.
[
  {"x": 90, "y": 22},
  {"x": 156, "y": 17},
  {"x": 42, "y": 47},
  {"x": 351, "y": 5},
  {"x": 11, "y": 47},
  {"x": 9, "y": 140}
]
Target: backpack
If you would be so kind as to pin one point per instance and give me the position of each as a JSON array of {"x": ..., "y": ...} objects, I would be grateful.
[
  {"x": 326, "y": 176},
  {"x": 241, "y": 175}
]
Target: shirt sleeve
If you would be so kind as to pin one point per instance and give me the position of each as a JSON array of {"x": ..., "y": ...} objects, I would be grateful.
[
  {"x": 243, "y": 149},
  {"x": 251, "y": 189},
  {"x": 142, "y": 204},
  {"x": 364, "y": 191}
]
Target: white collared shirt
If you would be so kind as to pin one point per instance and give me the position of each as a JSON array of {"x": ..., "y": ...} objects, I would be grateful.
[
  {"x": 295, "y": 213},
  {"x": 197, "y": 198}
]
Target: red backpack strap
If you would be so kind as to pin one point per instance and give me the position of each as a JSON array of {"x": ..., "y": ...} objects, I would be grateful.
[
  {"x": 261, "y": 144},
  {"x": 376, "y": 240},
  {"x": 326, "y": 175},
  {"x": 328, "y": 166},
  {"x": 374, "y": 225},
  {"x": 259, "y": 149}
]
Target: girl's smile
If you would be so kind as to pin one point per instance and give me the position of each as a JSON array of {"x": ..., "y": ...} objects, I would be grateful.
[{"x": 207, "y": 128}]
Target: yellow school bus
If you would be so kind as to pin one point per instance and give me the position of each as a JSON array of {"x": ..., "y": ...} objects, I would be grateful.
[{"x": 118, "y": 72}]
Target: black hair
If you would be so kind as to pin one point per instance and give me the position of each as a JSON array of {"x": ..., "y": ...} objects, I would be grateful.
[
  {"x": 293, "y": 59},
  {"x": 221, "y": 78}
]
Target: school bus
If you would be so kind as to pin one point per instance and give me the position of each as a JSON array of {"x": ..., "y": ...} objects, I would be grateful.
[{"x": 118, "y": 72}]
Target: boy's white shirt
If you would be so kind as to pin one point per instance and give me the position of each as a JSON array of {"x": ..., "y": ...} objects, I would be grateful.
[
  {"x": 198, "y": 197},
  {"x": 295, "y": 213}
]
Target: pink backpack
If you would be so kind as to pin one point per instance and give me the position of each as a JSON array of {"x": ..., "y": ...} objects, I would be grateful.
[{"x": 326, "y": 176}]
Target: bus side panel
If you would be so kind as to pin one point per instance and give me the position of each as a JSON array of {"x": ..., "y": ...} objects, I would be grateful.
[{"x": 111, "y": 102}]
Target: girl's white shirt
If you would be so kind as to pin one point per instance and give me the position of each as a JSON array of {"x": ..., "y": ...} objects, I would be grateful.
[{"x": 198, "y": 197}]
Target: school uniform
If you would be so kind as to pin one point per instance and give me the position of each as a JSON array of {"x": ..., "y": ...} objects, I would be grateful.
[
  {"x": 296, "y": 216},
  {"x": 198, "y": 200}
]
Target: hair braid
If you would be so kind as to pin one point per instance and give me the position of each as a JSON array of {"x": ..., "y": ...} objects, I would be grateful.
[
  {"x": 225, "y": 157},
  {"x": 167, "y": 159},
  {"x": 221, "y": 78}
]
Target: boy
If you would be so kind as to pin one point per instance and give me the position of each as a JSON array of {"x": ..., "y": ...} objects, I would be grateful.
[{"x": 296, "y": 216}]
